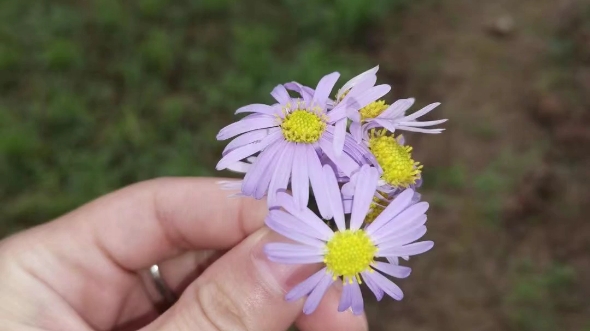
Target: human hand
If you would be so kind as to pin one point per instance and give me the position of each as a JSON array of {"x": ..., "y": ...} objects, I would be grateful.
[{"x": 81, "y": 271}]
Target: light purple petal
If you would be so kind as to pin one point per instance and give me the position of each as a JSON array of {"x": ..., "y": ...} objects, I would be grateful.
[
  {"x": 317, "y": 294},
  {"x": 258, "y": 115},
  {"x": 345, "y": 298},
  {"x": 401, "y": 221},
  {"x": 356, "y": 131},
  {"x": 422, "y": 124},
  {"x": 361, "y": 87},
  {"x": 366, "y": 128},
  {"x": 281, "y": 95},
  {"x": 385, "y": 284},
  {"x": 393, "y": 270},
  {"x": 341, "y": 110},
  {"x": 413, "y": 129},
  {"x": 354, "y": 115},
  {"x": 359, "y": 152},
  {"x": 305, "y": 287},
  {"x": 305, "y": 215},
  {"x": 386, "y": 188},
  {"x": 308, "y": 90},
  {"x": 397, "y": 108},
  {"x": 357, "y": 298},
  {"x": 240, "y": 167},
  {"x": 282, "y": 173},
  {"x": 401, "y": 139},
  {"x": 403, "y": 238},
  {"x": 296, "y": 259},
  {"x": 344, "y": 162},
  {"x": 334, "y": 197},
  {"x": 245, "y": 151},
  {"x": 299, "y": 177},
  {"x": 257, "y": 108},
  {"x": 368, "y": 76},
  {"x": 292, "y": 232},
  {"x": 365, "y": 98},
  {"x": 288, "y": 249},
  {"x": 395, "y": 207},
  {"x": 393, "y": 259},
  {"x": 386, "y": 123},
  {"x": 417, "y": 196},
  {"x": 347, "y": 204},
  {"x": 247, "y": 138},
  {"x": 407, "y": 250},
  {"x": 364, "y": 191},
  {"x": 305, "y": 91},
  {"x": 391, "y": 234},
  {"x": 296, "y": 225},
  {"x": 318, "y": 184},
  {"x": 422, "y": 111},
  {"x": 330, "y": 104},
  {"x": 348, "y": 188},
  {"x": 372, "y": 286},
  {"x": 258, "y": 177},
  {"x": 322, "y": 91},
  {"x": 339, "y": 134},
  {"x": 246, "y": 125},
  {"x": 348, "y": 103}
]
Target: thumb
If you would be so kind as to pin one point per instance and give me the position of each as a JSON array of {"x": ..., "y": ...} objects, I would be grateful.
[{"x": 240, "y": 291}]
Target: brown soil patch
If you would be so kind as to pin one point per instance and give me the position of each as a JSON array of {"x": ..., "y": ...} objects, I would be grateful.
[{"x": 512, "y": 242}]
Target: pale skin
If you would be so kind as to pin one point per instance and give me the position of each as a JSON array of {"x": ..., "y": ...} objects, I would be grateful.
[{"x": 80, "y": 271}]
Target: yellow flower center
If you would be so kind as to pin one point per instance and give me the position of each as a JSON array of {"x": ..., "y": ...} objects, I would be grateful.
[
  {"x": 349, "y": 253},
  {"x": 303, "y": 126},
  {"x": 373, "y": 109},
  {"x": 399, "y": 169}
]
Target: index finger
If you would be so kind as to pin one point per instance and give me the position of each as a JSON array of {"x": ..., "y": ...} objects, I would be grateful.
[{"x": 155, "y": 220}]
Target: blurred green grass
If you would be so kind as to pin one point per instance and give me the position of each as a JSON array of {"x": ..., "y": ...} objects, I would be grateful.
[
  {"x": 99, "y": 94},
  {"x": 535, "y": 296}
]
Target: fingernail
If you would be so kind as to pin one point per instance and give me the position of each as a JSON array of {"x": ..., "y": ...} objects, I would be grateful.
[{"x": 280, "y": 276}]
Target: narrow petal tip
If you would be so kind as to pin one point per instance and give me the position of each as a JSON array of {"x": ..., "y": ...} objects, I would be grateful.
[{"x": 405, "y": 272}]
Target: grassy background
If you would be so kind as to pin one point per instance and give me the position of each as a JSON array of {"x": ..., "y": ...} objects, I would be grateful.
[{"x": 99, "y": 94}]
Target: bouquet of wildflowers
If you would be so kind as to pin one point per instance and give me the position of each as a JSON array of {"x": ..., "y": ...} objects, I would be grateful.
[{"x": 345, "y": 152}]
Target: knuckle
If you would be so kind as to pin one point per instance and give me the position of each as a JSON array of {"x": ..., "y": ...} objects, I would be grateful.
[{"x": 220, "y": 308}]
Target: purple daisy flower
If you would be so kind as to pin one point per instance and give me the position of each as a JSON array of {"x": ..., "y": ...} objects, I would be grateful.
[
  {"x": 354, "y": 254},
  {"x": 290, "y": 136},
  {"x": 358, "y": 92}
]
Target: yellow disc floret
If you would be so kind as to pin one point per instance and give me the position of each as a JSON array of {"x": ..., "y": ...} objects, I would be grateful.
[
  {"x": 349, "y": 253},
  {"x": 373, "y": 109},
  {"x": 399, "y": 169},
  {"x": 303, "y": 126}
]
